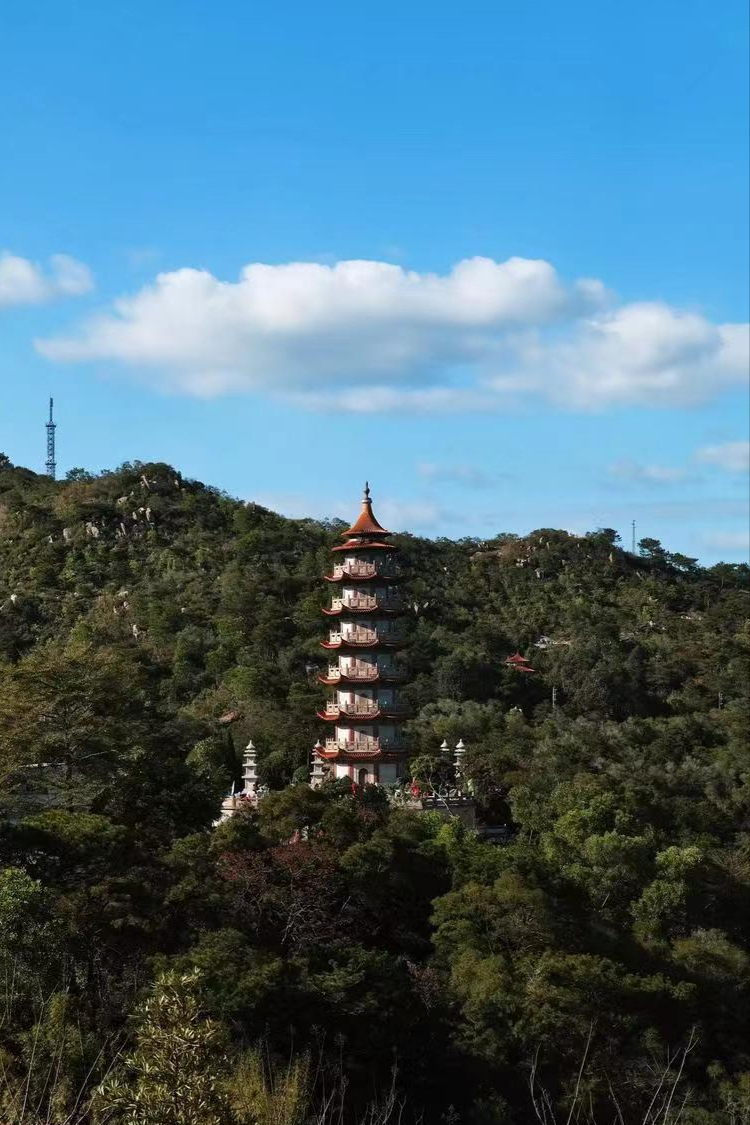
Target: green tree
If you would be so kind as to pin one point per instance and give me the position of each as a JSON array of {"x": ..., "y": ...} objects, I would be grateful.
[
  {"x": 178, "y": 1069},
  {"x": 68, "y": 712}
]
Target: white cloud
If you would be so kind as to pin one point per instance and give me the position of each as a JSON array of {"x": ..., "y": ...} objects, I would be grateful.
[
  {"x": 639, "y": 354},
  {"x": 142, "y": 257},
  {"x": 635, "y": 473},
  {"x": 303, "y": 323},
  {"x": 738, "y": 541},
  {"x": 24, "y": 283},
  {"x": 732, "y": 456},
  {"x": 386, "y": 400},
  {"x": 369, "y": 336},
  {"x": 416, "y": 516},
  {"x": 454, "y": 474}
]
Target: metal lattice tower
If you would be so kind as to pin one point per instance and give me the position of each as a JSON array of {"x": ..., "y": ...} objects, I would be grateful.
[{"x": 50, "y": 427}]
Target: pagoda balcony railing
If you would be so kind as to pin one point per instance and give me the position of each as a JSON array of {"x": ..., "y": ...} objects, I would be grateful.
[
  {"x": 369, "y": 707},
  {"x": 365, "y": 601},
  {"x": 365, "y": 636},
  {"x": 360, "y": 636},
  {"x": 364, "y": 745},
  {"x": 354, "y": 672},
  {"x": 365, "y": 673},
  {"x": 363, "y": 708},
  {"x": 363, "y": 570}
]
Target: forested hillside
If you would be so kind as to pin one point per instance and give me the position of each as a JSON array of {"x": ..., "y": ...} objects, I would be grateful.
[{"x": 330, "y": 958}]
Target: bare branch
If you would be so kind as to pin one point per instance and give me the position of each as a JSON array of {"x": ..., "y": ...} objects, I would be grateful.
[{"x": 581, "y": 1069}]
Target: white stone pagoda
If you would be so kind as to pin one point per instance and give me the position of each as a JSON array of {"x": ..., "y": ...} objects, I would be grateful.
[{"x": 250, "y": 791}]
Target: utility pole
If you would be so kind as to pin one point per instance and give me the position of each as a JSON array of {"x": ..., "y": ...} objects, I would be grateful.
[
  {"x": 632, "y": 548},
  {"x": 50, "y": 427},
  {"x": 554, "y": 697}
]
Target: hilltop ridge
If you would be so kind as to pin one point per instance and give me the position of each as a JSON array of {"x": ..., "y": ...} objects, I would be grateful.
[
  {"x": 223, "y": 596},
  {"x": 150, "y": 625}
]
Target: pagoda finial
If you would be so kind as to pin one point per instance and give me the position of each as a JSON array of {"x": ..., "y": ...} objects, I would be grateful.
[{"x": 365, "y": 525}]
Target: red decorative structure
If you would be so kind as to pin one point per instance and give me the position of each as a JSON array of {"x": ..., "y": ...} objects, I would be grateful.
[{"x": 366, "y": 744}]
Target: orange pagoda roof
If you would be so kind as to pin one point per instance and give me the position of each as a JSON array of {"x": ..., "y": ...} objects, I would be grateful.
[{"x": 366, "y": 525}]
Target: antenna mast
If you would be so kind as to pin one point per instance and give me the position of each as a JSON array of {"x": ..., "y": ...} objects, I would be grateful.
[
  {"x": 50, "y": 427},
  {"x": 633, "y": 541}
]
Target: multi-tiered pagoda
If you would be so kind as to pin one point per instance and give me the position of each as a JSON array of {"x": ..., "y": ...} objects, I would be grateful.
[{"x": 365, "y": 742}]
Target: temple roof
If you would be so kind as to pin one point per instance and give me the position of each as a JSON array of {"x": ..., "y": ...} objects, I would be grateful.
[
  {"x": 360, "y": 544},
  {"x": 366, "y": 524}
]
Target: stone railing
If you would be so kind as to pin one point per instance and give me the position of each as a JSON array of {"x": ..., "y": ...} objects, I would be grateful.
[
  {"x": 362, "y": 672},
  {"x": 364, "y": 745},
  {"x": 365, "y": 673},
  {"x": 363, "y": 570},
  {"x": 361, "y": 636},
  {"x": 365, "y": 601},
  {"x": 359, "y": 709}
]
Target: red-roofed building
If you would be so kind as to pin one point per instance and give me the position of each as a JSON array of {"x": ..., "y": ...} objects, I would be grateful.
[
  {"x": 366, "y": 742},
  {"x": 518, "y": 663}
]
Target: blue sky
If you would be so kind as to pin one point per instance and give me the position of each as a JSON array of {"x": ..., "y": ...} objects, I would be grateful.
[{"x": 586, "y": 163}]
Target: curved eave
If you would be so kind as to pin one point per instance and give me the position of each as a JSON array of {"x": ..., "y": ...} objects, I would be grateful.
[
  {"x": 359, "y": 645},
  {"x": 365, "y": 545},
  {"x": 332, "y": 681},
  {"x": 366, "y": 524},
  {"x": 384, "y": 578},
  {"x": 376, "y": 609},
  {"x": 343, "y": 716},
  {"x": 375, "y": 717},
  {"x": 362, "y": 755}
]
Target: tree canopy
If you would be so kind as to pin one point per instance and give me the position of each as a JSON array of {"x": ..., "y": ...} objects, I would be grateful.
[{"x": 328, "y": 956}]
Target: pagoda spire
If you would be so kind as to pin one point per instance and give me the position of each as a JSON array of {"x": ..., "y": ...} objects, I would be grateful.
[
  {"x": 366, "y": 525},
  {"x": 366, "y": 744}
]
